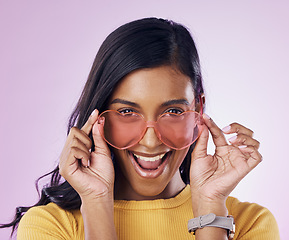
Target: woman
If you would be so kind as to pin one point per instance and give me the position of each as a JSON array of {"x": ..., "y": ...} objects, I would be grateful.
[{"x": 135, "y": 162}]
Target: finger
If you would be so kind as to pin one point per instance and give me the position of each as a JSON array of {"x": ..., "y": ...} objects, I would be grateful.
[
  {"x": 237, "y": 128},
  {"x": 200, "y": 150},
  {"x": 99, "y": 143},
  {"x": 89, "y": 123},
  {"x": 217, "y": 134},
  {"x": 75, "y": 142},
  {"x": 255, "y": 157},
  {"x": 81, "y": 136},
  {"x": 243, "y": 139},
  {"x": 81, "y": 155},
  {"x": 71, "y": 163}
]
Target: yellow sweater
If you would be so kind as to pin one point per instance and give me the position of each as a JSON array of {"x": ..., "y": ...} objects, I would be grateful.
[{"x": 139, "y": 220}]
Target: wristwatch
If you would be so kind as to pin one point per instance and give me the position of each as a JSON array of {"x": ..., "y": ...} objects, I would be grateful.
[{"x": 211, "y": 220}]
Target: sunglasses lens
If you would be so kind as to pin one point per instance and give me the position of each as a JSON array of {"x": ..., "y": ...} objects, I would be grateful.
[
  {"x": 179, "y": 130},
  {"x": 175, "y": 130},
  {"x": 122, "y": 130}
]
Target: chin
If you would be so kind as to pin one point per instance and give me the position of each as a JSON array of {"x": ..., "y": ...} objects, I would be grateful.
[{"x": 141, "y": 181}]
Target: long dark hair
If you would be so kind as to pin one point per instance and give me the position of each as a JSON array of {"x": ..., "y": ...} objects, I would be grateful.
[{"x": 145, "y": 43}]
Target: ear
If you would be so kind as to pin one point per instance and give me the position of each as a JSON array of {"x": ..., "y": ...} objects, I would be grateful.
[
  {"x": 202, "y": 103},
  {"x": 203, "y": 98}
]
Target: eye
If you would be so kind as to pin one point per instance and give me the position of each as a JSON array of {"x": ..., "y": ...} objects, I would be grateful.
[
  {"x": 174, "y": 110},
  {"x": 124, "y": 111},
  {"x": 127, "y": 111}
]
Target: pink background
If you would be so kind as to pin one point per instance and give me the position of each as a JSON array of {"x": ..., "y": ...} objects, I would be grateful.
[{"x": 46, "y": 51}]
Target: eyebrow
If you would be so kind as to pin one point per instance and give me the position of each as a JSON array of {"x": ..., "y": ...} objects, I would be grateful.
[
  {"x": 176, "y": 101},
  {"x": 165, "y": 104},
  {"x": 126, "y": 102}
]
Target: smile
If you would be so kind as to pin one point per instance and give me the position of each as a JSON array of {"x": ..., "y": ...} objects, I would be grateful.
[
  {"x": 149, "y": 159},
  {"x": 149, "y": 167}
]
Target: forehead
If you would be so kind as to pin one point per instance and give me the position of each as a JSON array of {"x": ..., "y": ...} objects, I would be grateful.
[{"x": 154, "y": 85}]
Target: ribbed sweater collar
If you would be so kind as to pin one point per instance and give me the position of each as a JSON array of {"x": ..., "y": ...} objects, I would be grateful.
[{"x": 174, "y": 202}]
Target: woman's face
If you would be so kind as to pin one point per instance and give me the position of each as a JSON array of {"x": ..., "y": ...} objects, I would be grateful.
[{"x": 149, "y": 169}]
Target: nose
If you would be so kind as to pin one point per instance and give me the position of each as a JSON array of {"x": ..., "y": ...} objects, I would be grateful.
[{"x": 150, "y": 139}]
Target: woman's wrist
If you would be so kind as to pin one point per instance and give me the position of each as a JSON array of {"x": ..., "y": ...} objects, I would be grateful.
[
  {"x": 203, "y": 206},
  {"x": 105, "y": 201},
  {"x": 98, "y": 218}
]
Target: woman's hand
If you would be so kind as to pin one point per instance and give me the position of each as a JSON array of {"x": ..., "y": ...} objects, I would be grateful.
[
  {"x": 91, "y": 174},
  {"x": 214, "y": 177}
]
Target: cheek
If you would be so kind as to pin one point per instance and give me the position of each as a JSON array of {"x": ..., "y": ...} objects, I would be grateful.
[
  {"x": 180, "y": 156},
  {"x": 121, "y": 158}
]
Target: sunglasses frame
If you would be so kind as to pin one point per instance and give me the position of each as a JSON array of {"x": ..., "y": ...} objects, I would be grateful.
[{"x": 153, "y": 124}]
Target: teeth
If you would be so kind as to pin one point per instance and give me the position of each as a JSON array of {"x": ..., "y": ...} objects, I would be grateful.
[{"x": 149, "y": 159}]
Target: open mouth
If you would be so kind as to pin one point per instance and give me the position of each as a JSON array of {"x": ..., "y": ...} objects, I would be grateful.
[
  {"x": 150, "y": 163},
  {"x": 149, "y": 166}
]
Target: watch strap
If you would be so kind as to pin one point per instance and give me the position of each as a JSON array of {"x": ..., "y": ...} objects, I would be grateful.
[{"x": 211, "y": 220}]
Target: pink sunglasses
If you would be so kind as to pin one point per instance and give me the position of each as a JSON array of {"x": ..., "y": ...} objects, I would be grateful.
[{"x": 124, "y": 130}]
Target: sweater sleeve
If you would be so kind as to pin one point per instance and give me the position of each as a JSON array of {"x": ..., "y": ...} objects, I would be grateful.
[
  {"x": 48, "y": 223},
  {"x": 252, "y": 221}
]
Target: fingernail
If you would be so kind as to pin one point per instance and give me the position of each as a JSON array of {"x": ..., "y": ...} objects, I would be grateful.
[
  {"x": 93, "y": 112},
  {"x": 226, "y": 129},
  {"x": 242, "y": 146},
  {"x": 232, "y": 139},
  {"x": 206, "y": 116}
]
